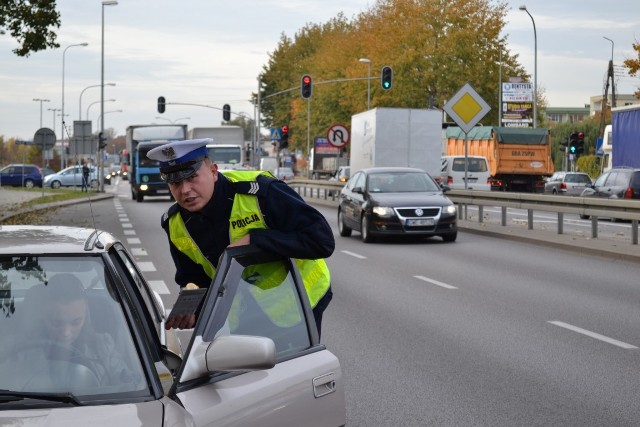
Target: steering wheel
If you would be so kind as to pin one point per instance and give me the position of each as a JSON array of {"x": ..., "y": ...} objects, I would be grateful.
[{"x": 66, "y": 365}]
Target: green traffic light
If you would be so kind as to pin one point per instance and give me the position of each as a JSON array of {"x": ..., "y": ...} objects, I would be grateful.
[{"x": 573, "y": 149}]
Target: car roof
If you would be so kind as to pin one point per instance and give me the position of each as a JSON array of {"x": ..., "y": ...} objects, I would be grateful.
[
  {"x": 47, "y": 239},
  {"x": 391, "y": 169}
]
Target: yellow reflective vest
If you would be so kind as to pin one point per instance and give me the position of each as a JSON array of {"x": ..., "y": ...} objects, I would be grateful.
[{"x": 245, "y": 216}]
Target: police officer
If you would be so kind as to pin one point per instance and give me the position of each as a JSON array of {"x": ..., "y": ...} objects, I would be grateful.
[{"x": 214, "y": 211}]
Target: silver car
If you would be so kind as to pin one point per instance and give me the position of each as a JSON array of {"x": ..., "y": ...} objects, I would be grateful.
[
  {"x": 567, "y": 183},
  {"x": 83, "y": 339}
]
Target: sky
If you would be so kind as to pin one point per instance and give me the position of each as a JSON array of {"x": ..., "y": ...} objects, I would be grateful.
[{"x": 210, "y": 52}]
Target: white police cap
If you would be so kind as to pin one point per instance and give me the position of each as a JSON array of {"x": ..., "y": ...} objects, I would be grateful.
[{"x": 180, "y": 160}]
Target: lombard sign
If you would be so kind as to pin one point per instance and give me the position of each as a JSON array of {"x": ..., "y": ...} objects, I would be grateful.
[{"x": 517, "y": 104}]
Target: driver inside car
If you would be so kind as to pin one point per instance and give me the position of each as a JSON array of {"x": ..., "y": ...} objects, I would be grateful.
[{"x": 66, "y": 334}]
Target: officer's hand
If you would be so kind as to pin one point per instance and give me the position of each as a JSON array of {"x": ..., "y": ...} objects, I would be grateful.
[
  {"x": 244, "y": 240},
  {"x": 181, "y": 321}
]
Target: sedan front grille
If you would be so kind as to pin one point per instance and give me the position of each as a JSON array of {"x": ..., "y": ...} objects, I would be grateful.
[{"x": 419, "y": 212}]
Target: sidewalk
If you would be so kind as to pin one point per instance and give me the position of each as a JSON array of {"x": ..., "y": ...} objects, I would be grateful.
[{"x": 12, "y": 199}]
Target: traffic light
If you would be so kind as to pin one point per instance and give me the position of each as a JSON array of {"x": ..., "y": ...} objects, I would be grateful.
[
  {"x": 102, "y": 141},
  {"x": 563, "y": 144},
  {"x": 573, "y": 142},
  {"x": 284, "y": 137},
  {"x": 580, "y": 143},
  {"x": 387, "y": 77},
  {"x": 306, "y": 86},
  {"x": 226, "y": 112},
  {"x": 161, "y": 104}
]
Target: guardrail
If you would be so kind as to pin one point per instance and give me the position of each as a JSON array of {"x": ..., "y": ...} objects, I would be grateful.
[{"x": 583, "y": 206}]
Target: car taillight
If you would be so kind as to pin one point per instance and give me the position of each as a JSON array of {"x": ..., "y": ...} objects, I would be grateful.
[
  {"x": 449, "y": 180},
  {"x": 563, "y": 186},
  {"x": 629, "y": 193}
]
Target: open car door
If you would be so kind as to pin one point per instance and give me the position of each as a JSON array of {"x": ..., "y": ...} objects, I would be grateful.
[{"x": 254, "y": 357}]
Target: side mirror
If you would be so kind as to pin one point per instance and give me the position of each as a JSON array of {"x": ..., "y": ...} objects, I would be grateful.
[{"x": 358, "y": 190}]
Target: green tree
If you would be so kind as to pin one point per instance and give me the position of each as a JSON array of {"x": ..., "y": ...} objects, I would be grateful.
[
  {"x": 31, "y": 23},
  {"x": 433, "y": 46}
]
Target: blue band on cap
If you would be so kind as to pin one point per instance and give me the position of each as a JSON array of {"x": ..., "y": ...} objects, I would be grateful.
[{"x": 191, "y": 155}]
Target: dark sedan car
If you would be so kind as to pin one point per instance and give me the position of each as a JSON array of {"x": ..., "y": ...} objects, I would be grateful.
[
  {"x": 616, "y": 183},
  {"x": 395, "y": 201}
]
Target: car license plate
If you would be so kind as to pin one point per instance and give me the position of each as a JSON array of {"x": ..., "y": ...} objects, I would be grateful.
[
  {"x": 420, "y": 222},
  {"x": 163, "y": 191}
]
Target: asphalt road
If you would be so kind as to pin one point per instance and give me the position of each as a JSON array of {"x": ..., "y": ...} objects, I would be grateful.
[{"x": 485, "y": 331}]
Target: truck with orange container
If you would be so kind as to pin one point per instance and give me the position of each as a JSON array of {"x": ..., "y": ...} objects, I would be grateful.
[{"x": 519, "y": 158}]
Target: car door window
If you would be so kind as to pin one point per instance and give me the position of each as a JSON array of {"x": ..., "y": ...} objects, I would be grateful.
[
  {"x": 601, "y": 180},
  {"x": 622, "y": 179},
  {"x": 266, "y": 303},
  {"x": 356, "y": 181}
]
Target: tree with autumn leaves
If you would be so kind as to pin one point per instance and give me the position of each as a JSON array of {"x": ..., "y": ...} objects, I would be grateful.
[
  {"x": 433, "y": 46},
  {"x": 633, "y": 65}
]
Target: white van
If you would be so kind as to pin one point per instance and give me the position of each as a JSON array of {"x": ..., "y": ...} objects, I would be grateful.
[{"x": 477, "y": 173}]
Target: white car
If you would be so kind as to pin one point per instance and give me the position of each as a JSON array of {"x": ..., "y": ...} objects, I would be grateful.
[
  {"x": 71, "y": 177},
  {"x": 83, "y": 339},
  {"x": 478, "y": 173}
]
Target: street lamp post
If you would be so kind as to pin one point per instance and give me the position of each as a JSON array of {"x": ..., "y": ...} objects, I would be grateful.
[
  {"x": 54, "y": 117},
  {"x": 94, "y": 103},
  {"x": 108, "y": 112},
  {"x": 368, "y": 62},
  {"x": 173, "y": 122},
  {"x": 81, "y": 93},
  {"x": 41, "y": 101},
  {"x": 64, "y": 52},
  {"x": 535, "y": 68},
  {"x": 100, "y": 147},
  {"x": 613, "y": 87}
]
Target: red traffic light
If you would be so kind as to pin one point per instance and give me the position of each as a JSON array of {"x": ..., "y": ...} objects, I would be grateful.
[
  {"x": 285, "y": 129},
  {"x": 306, "y": 86}
]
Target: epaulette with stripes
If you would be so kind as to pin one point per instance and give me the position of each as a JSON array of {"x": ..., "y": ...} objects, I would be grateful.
[
  {"x": 169, "y": 213},
  {"x": 255, "y": 188}
]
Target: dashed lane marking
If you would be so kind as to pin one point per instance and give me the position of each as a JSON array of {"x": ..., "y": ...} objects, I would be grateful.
[
  {"x": 353, "y": 254},
  {"x": 435, "y": 282},
  {"x": 593, "y": 335}
]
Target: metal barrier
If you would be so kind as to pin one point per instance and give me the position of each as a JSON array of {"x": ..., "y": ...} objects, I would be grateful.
[
  {"x": 583, "y": 206},
  {"x": 594, "y": 208}
]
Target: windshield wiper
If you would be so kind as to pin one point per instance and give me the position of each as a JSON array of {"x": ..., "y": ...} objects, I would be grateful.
[{"x": 52, "y": 397}]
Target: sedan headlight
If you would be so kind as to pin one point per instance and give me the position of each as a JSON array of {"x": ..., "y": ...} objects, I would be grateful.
[
  {"x": 451, "y": 209},
  {"x": 383, "y": 211}
]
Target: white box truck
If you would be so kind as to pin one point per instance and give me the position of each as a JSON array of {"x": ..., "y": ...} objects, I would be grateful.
[
  {"x": 397, "y": 137},
  {"x": 227, "y": 147}
]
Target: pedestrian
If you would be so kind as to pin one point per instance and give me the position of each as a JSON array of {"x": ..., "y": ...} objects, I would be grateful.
[
  {"x": 85, "y": 176},
  {"x": 207, "y": 202}
]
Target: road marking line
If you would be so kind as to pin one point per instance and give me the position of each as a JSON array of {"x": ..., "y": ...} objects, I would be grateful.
[
  {"x": 127, "y": 225},
  {"x": 435, "y": 282},
  {"x": 354, "y": 254},
  {"x": 133, "y": 241},
  {"x": 159, "y": 286},
  {"x": 593, "y": 335},
  {"x": 130, "y": 233},
  {"x": 146, "y": 266},
  {"x": 139, "y": 252}
]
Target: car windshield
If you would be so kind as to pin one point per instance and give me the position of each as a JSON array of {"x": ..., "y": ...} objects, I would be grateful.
[
  {"x": 63, "y": 330},
  {"x": 400, "y": 182}
]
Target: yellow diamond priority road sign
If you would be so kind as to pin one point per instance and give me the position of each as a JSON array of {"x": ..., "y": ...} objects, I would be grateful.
[{"x": 466, "y": 108}]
